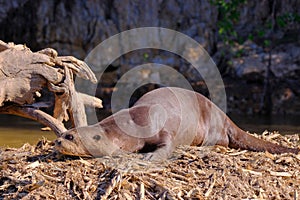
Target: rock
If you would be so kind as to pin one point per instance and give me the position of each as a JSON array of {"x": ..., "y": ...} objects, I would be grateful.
[
  {"x": 286, "y": 60},
  {"x": 248, "y": 65},
  {"x": 77, "y": 27}
]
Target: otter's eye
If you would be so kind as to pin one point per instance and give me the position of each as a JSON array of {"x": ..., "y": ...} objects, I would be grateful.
[
  {"x": 97, "y": 137},
  {"x": 69, "y": 137}
]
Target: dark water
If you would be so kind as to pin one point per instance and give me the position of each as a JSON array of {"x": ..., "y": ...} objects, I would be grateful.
[
  {"x": 258, "y": 124},
  {"x": 15, "y": 131}
]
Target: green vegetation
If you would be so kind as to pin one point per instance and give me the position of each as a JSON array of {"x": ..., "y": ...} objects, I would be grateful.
[
  {"x": 229, "y": 14},
  {"x": 288, "y": 19}
]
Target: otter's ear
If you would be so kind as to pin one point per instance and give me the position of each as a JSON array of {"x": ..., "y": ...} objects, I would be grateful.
[
  {"x": 97, "y": 137},
  {"x": 69, "y": 137}
]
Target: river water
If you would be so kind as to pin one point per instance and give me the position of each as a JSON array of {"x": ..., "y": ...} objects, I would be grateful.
[
  {"x": 258, "y": 124},
  {"x": 15, "y": 131}
]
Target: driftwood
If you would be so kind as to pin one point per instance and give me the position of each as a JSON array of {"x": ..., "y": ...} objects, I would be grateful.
[{"x": 25, "y": 74}]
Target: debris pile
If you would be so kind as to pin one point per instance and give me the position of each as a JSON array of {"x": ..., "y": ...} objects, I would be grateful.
[{"x": 191, "y": 173}]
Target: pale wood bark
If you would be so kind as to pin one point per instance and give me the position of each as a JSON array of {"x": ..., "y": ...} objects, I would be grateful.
[{"x": 23, "y": 75}]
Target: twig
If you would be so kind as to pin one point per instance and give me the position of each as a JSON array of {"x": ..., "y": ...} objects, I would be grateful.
[
  {"x": 213, "y": 181},
  {"x": 113, "y": 184},
  {"x": 90, "y": 100},
  {"x": 142, "y": 191}
]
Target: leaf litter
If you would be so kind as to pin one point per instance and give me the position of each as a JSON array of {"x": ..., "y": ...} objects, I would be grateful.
[{"x": 39, "y": 172}]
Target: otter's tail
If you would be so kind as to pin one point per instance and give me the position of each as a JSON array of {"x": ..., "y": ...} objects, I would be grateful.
[{"x": 240, "y": 139}]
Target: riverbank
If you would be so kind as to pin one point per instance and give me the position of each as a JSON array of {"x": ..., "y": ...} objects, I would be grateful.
[{"x": 191, "y": 173}]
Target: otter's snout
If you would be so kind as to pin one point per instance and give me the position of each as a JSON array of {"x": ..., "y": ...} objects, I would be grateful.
[{"x": 57, "y": 142}]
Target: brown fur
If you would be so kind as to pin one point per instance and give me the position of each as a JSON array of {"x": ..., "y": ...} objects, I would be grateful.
[{"x": 186, "y": 118}]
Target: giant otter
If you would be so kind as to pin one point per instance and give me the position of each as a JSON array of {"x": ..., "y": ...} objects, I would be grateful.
[{"x": 158, "y": 122}]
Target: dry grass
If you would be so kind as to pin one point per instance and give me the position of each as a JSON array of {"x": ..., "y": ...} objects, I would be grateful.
[{"x": 38, "y": 172}]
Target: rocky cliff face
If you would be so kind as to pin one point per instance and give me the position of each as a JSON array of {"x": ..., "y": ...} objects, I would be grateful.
[{"x": 77, "y": 26}]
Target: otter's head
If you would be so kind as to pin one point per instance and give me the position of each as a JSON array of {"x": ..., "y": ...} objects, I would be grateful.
[
  {"x": 88, "y": 141},
  {"x": 70, "y": 144}
]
